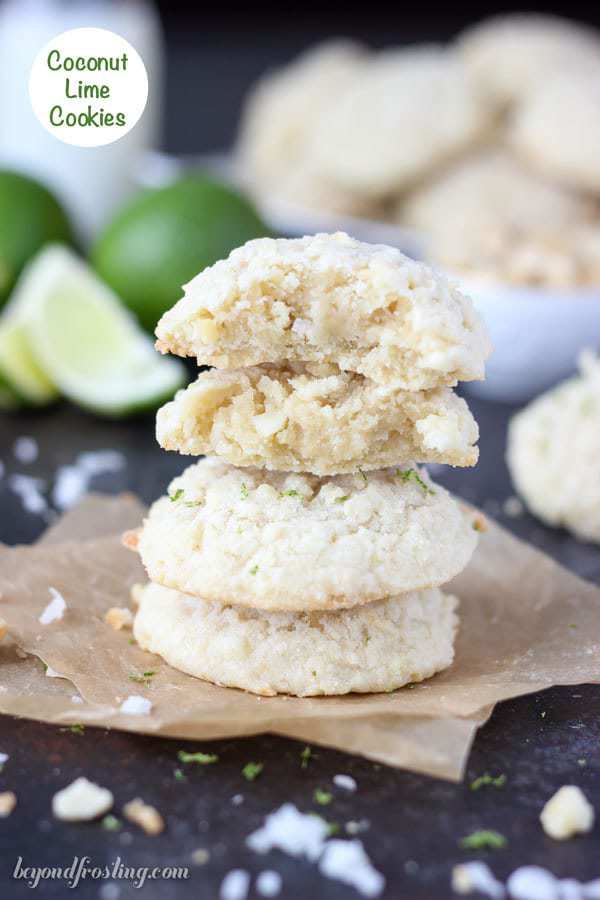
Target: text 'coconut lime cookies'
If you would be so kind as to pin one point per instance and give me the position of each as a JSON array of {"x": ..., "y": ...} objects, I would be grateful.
[{"x": 306, "y": 554}]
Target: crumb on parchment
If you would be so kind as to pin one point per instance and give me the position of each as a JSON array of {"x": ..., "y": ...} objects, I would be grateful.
[
  {"x": 119, "y": 617},
  {"x": 147, "y": 817}
]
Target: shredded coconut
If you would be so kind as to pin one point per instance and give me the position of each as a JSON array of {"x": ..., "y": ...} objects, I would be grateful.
[
  {"x": 345, "y": 781},
  {"x": 476, "y": 876},
  {"x": 291, "y": 831},
  {"x": 268, "y": 883},
  {"x": 347, "y": 861},
  {"x": 25, "y": 450},
  {"x": 303, "y": 835},
  {"x": 29, "y": 491},
  {"x": 4, "y": 757},
  {"x": 81, "y": 801},
  {"x": 533, "y": 883},
  {"x": 235, "y": 885},
  {"x": 354, "y": 827},
  {"x": 134, "y": 705},
  {"x": 71, "y": 482},
  {"x": 237, "y": 799},
  {"x": 55, "y": 609}
]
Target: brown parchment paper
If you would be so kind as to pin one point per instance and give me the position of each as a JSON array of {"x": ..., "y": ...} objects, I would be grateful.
[{"x": 526, "y": 624}]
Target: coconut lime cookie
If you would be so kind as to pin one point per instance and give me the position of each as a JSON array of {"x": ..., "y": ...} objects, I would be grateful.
[
  {"x": 554, "y": 453},
  {"x": 509, "y": 56},
  {"x": 378, "y": 647},
  {"x": 284, "y": 106},
  {"x": 305, "y": 553},
  {"x": 410, "y": 111},
  {"x": 366, "y": 308},
  {"x": 557, "y": 129},
  {"x": 278, "y": 541},
  {"x": 489, "y": 190},
  {"x": 315, "y": 418}
]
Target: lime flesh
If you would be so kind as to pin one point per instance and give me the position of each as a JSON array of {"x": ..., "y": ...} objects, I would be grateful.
[{"x": 85, "y": 342}]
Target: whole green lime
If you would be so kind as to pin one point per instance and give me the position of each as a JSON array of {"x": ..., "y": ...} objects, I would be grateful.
[
  {"x": 164, "y": 237},
  {"x": 30, "y": 216}
]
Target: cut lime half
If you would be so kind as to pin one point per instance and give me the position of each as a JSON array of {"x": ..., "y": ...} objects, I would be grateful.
[{"x": 88, "y": 345}]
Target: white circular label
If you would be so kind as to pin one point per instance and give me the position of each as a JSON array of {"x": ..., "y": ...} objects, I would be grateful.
[{"x": 88, "y": 87}]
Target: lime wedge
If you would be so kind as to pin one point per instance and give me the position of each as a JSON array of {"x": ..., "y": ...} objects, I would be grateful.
[
  {"x": 8, "y": 398},
  {"x": 84, "y": 340},
  {"x": 20, "y": 375}
]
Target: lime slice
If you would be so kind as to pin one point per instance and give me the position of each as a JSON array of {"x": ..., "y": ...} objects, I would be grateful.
[
  {"x": 20, "y": 375},
  {"x": 88, "y": 345}
]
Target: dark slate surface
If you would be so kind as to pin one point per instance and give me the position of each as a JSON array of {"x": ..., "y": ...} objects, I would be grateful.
[{"x": 538, "y": 741}]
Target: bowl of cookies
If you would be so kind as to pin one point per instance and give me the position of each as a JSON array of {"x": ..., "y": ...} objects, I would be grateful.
[{"x": 480, "y": 156}]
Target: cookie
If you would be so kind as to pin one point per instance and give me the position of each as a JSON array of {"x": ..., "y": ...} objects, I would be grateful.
[
  {"x": 490, "y": 190},
  {"x": 410, "y": 111},
  {"x": 509, "y": 56},
  {"x": 554, "y": 453},
  {"x": 557, "y": 129},
  {"x": 282, "y": 109},
  {"x": 329, "y": 298},
  {"x": 275, "y": 540},
  {"x": 311, "y": 418},
  {"x": 379, "y": 647}
]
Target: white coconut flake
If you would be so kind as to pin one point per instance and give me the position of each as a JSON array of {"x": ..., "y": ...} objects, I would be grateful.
[
  {"x": 235, "y": 885},
  {"x": 29, "y": 491},
  {"x": 55, "y": 609},
  {"x": 533, "y": 883},
  {"x": 268, "y": 883},
  {"x": 72, "y": 482},
  {"x": 76, "y": 699},
  {"x": 357, "y": 827},
  {"x": 81, "y": 801},
  {"x": 476, "y": 876},
  {"x": 134, "y": 705},
  {"x": 25, "y": 450},
  {"x": 591, "y": 890},
  {"x": 237, "y": 799},
  {"x": 4, "y": 757},
  {"x": 346, "y": 782},
  {"x": 347, "y": 861},
  {"x": 293, "y": 832}
]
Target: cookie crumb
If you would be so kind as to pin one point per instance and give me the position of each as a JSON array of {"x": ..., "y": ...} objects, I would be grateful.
[
  {"x": 119, "y": 617},
  {"x": 81, "y": 801},
  {"x": 567, "y": 813},
  {"x": 8, "y": 801},
  {"x": 147, "y": 817}
]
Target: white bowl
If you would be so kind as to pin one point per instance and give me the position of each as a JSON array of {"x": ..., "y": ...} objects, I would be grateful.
[{"x": 536, "y": 333}]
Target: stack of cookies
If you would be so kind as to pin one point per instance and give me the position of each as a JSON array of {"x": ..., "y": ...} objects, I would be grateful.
[{"x": 305, "y": 554}]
